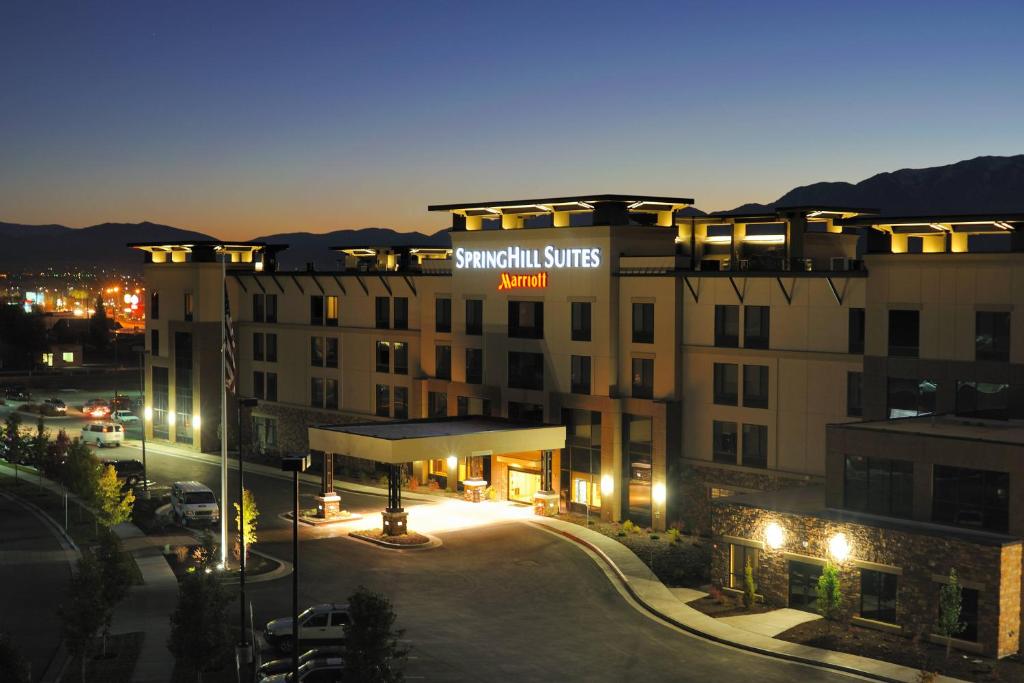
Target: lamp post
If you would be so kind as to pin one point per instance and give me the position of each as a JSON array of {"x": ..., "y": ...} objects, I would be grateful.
[
  {"x": 295, "y": 464},
  {"x": 244, "y": 645},
  {"x": 147, "y": 414}
]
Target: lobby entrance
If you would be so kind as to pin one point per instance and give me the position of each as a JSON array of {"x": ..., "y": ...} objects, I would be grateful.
[{"x": 522, "y": 485}]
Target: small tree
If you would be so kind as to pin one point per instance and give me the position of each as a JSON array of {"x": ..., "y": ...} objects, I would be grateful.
[
  {"x": 13, "y": 667},
  {"x": 950, "y": 607},
  {"x": 99, "y": 327},
  {"x": 199, "y": 637},
  {"x": 81, "y": 471},
  {"x": 55, "y": 456},
  {"x": 830, "y": 596},
  {"x": 206, "y": 553},
  {"x": 250, "y": 513},
  {"x": 85, "y": 612},
  {"x": 115, "y": 575},
  {"x": 749, "y": 587},
  {"x": 113, "y": 507},
  {"x": 15, "y": 440},
  {"x": 371, "y": 650},
  {"x": 37, "y": 444}
]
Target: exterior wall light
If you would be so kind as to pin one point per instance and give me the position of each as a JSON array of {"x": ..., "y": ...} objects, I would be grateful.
[
  {"x": 170, "y": 418},
  {"x": 196, "y": 422},
  {"x": 839, "y": 547},
  {"x": 774, "y": 536},
  {"x": 453, "y": 462},
  {"x": 607, "y": 485},
  {"x": 147, "y": 413},
  {"x": 658, "y": 493}
]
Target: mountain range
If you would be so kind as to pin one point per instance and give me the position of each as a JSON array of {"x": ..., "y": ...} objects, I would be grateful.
[{"x": 984, "y": 184}]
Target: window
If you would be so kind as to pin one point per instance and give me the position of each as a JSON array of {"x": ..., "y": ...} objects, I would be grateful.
[
  {"x": 878, "y": 595},
  {"x": 271, "y": 312},
  {"x": 526, "y": 319},
  {"x": 271, "y": 386},
  {"x": 526, "y": 370},
  {"x": 443, "y": 315},
  {"x": 462, "y": 405},
  {"x": 723, "y": 442},
  {"x": 580, "y": 314},
  {"x": 154, "y": 342},
  {"x": 755, "y": 446},
  {"x": 738, "y": 557},
  {"x": 316, "y": 392},
  {"x": 904, "y": 332},
  {"x": 315, "y": 621},
  {"x": 756, "y": 326},
  {"x": 316, "y": 310},
  {"x": 331, "y": 357},
  {"x": 383, "y": 357},
  {"x": 437, "y": 404},
  {"x": 854, "y": 392},
  {"x": 988, "y": 400},
  {"x": 331, "y": 394},
  {"x": 474, "y": 316},
  {"x": 643, "y": 323},
  {"x": 383, "y": 313},
  {"x": 257, "y": 308},
  {"x": 183, "y": 354},
  {"x": 637, "y": 449},
  {"x": 257, "y": 346},
  {"x": 755, "y": 386},
  {"x": 474, "y": 366},
  {"x": 992, "y": 336},
  {"x": 726, "y": 387},
  {"x": 188, "y": 306},
  {"x": 855, "y": 342},
  {"x": 643, "y": 378},
  {"x": 401, "y": 358},
  {"x": 971, "y": 498},
  {"x": 582, "y": 441},
  {"x": 271, "y": 347},
  {"x": 727, "y": 326},
  {"x": 579, "y": 374},
  {"x": 264, "y": 431},
  {"x": 332, "y": 311},
  {"x": 443, "y": 361},
  {"x": 154, "y": 305},
  {"x": 879, "y": 486},
  {"x": 259, "y": 389},
  {"x": 401, "y": 403},
  {"x": 910, "y": 397},
  {"x": 525, "y": 412},
  {"x": 383, "y": 400},
  {"x": 316, "y": 352},
  {"x": 401, "y": 313}
]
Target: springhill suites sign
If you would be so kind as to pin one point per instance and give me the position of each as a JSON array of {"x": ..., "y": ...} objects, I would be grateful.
[{"x": 518, "y": 258}]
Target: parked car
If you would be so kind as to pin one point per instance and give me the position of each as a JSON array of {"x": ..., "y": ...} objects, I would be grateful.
[
  {"x": 124, "y": 417},
  {"x": 318, "y": 625},
  {"x": 122, "y": 403},
  {"x": 97, "y": 408},
  {"x": 328, "y": 670},
  {"x": 57, "y": 405},
  {"x": 129, "y": 471},
  {"x": 103, "y": 434},
  {"x": 283, "y": 666},
  {"x": 193, "y": 503},
  {"x": 16, "y": 392}
]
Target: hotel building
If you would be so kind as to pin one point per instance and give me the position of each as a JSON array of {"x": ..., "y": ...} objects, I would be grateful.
[{"x": 725, "y": 373}]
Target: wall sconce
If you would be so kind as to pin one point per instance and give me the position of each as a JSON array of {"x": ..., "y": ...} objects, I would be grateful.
[
  {"x": 658, "y": 494},
  {"x": 147, "y": 413},
  {"x": 453, "y": 462},
  {"x": 839, "y": 547},
  {"x": 196, "y": 422},
  {"x": 607, "y": 485},
  {"x": 170, "y": 418},
  {"x": 774, "y": 536}
]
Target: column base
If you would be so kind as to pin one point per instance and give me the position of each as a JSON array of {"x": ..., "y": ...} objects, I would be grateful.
[
  {"x": 396, "y": 522},
  {"x": 328, "y": 506},
  {"x": 545, "y": 503}
]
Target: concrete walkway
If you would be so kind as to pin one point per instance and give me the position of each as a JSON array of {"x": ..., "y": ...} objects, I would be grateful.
[
  {"x": 654, "y": 596},
  {"x": 771, "y": 623}
]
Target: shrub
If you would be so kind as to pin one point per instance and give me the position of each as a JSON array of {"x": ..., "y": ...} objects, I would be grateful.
[
  {"x": 950, "y": 607},
  {"x": 371, "y": 650},
  {"x": 654, "y": 537},
  {"x": 433, "y": 486},
  {"x": 414, "y": 484},
  {"x": 491, "y": 493},
  {"x": 200, "y": 639},
  {"x": 829, "y": 595},
  {"x": 749, "y": 587},
  {"x": 628, "y": 527},
  {"x": 673, "y": 535},
  {"x": 620, "y": 533}
]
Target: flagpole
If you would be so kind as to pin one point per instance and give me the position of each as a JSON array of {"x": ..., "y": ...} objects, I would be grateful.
[{"x": 223, "y": 417}]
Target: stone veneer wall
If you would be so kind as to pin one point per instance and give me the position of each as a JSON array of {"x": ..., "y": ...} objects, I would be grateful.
[{"x": 994, "y": 569}]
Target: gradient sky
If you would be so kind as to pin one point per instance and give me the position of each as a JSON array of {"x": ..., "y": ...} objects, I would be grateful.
[{"x": 246, "y": 118}]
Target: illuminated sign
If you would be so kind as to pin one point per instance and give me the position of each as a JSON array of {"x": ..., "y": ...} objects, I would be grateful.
[
  {"x": 534, "y": 281},
  {"x": 526, "y": 259}
]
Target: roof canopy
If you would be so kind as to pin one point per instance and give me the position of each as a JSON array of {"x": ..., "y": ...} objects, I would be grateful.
[
  {"x": 404, "y": 441},
  {"x": 568, "y": 204}
]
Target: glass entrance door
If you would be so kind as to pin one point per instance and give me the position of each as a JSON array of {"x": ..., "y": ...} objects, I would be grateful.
[
  {"x": 803, "y": 585},
  {"x": 522, "y": 485}
]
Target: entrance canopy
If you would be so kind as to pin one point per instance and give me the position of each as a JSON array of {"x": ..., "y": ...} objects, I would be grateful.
[{"x": 403, "y": 441}]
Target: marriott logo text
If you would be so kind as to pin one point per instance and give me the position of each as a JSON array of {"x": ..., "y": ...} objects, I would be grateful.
[{"x": 519, "y": 258}]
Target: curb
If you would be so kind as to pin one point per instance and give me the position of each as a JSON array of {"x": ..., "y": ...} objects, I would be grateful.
[{"x": 432, "y": 542}]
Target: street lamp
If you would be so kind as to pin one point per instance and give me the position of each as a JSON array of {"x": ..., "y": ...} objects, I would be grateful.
[
  {"x": 242, "y": 403},
  {"x": 295, "y": 464}
]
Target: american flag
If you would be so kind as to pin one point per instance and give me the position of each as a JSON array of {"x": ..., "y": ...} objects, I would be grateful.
[{"x": 230, "y": 350}]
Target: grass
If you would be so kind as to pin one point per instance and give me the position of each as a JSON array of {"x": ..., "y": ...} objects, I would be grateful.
[{"x": 117, "y": 667}]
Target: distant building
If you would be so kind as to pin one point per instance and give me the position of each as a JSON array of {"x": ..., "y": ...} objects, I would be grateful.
[{"x": 59, "y": 356}]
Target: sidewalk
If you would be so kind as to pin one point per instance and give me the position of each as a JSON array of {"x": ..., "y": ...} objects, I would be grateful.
[{"x": 656, "y": 598}]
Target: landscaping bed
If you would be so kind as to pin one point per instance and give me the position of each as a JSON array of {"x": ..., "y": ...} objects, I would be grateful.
[
  {"x": 719, "y": 604},
  {"x": 183, "y": 559},
  {"x": 913, "y": 652},
  {"x": 410, "y": 540}
]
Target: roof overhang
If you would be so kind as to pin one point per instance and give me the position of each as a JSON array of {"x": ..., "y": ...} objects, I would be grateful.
[{"x": 533, "y": 207}]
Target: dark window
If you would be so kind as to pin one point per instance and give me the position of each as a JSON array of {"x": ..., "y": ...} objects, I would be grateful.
[
  {"x": 723, "y": 442},
  {"x": 756, "y": 326},
  {"x": 755, "y": 386},
  {"x": 383, "y": 312},
  {"x": 316, "y": 352},
  {"x": 271, "y": 316},
  {"x": 582, "y": 441},
  {"x": 968, "y": 613},
  {"x": 738, "y": 557},
  {"x": 880, "y": 486},
  {"x": 316, "y": 392},
  {"x": 188, "y": 307},
  {"x": 971, "y": 498},
  {"x": 643, "y": 378},
  {"x": 401, "y": 313},
  {"x": 443, "y": 315},
  {"x": 904, "y": 333},
  {"x": 316, "y": 621},
  {"x": 258, "y": 385},
  {"x": 154, "y": 305},
  {"x": 383, "y": 400},
  {"x": 331, "y": 357},
  {"x": 755, "y": 446},
  {"x": 526, "y": 319},
  {"x": 462, "y": 405},
  {"x": 316, "y": 310},
  {"x": 910, "y": 397},
  {"x": 486, "y": 407},
  {"x": 988, "y": 400},
  {"x": 878, "y": 595},
  {"x": 161, "y": 386},
  {"x": 855, "y": 342},
  {"x": 580, "y": 311},
  {"x": 726, "y": 384},
  {"x": 474, "y": 316},
  {"x": 526, "y": 370},
  {"x": 383, "y": 356},
  {"x": 992, "y": 336},
  {"x": 474, "y": 366},
  {"x": 401, "y": 358},
  {"x": 854, "y": 391},
  {"x": 154, "y": 342},
  {"x": 401, "y": 403},
  {"x": 727, "y": 326},
  {"x": 271, "y": 386},
  {"x": 437, "y": 404},
  {"x": 443, "y": 361},
  {"x": 525, "y": 412},
  {"x": 331, "y": 394},
  {"x": 579, "y": 374},
  {"x": 332, "y": 314},
  {"x": 183, "y": 387},
  {"x": 643, "y": 323},
  {"x": 271, "y": 348},
  {"x": 257, "y": 346}
]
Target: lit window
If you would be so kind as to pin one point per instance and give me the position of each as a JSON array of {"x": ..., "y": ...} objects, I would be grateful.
[
  {"x": 48, "y": 359},
  {"x": 68, "y": 357}
]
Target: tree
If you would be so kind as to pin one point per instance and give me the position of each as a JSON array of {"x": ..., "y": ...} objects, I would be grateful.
[
  {"x": 54, "y": 457},
  {"x": 85, "y": 612},
  {"x": 22, "y": 338},
  {"x": 115, "y": 575},
  {"x": 81, "y": 471},
  {"x": 371, "y": 650},
  {"x": 749, "y": 587},
  {"x": 252, "y": 513},
  {"x": 99, "y": 327},
  {"x": 15, "y": 441},
  {"x": 950, "y": 607},
  {"x": 830, "y": 596},
  {"x": 37, "y": 444},
  {"x": 206, "y": 553},
  {"x": 199, "y": 637},
  {"x": 112, "y": 508},
  {"x": 13, "y": 667}
]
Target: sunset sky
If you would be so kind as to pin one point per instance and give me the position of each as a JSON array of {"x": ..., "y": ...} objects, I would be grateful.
[{"x": 245, "y": 118}]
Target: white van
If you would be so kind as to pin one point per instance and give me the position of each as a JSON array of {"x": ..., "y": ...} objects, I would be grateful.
[
  {"x": 103, "y": 434},
  {"x": 193, "y": 503}
]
